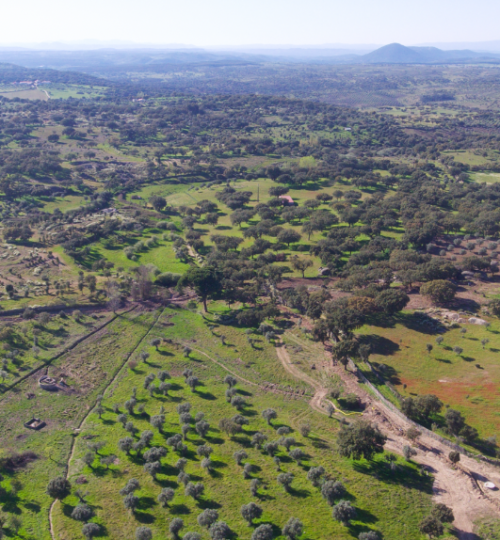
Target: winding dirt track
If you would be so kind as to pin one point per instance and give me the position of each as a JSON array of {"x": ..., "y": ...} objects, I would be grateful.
[{"x": 460, "y": 488}]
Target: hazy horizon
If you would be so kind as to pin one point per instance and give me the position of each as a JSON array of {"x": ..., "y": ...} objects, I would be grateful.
[{"x": 274, "y": 23}]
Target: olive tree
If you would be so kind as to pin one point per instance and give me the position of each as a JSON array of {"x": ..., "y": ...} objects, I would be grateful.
[
  {"x": 344, "y": 512},
  {"x": 292, "y": 529},
  {"x": 207, "y": 518},
  {"x": 250, "y": 512},
  {"x": 269, "y": 414},
  {"x": 220, "y": 531},
  {"x": 166, "y": 495},
  {"x": 143, "y": 533},
  {"x": 89, "y": 530},
  {"x": 285, "y": 479},
  {"x": 82, "y": 512},
  {"x": 58, "y": 488},
  {"x": 175, "y": 527},
  {"x": 331, "y": 491},
  {"x": 263, "y": 532}
]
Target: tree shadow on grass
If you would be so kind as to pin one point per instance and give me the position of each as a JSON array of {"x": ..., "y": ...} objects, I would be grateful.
[
  {"x": 243, "y": 392},
  {"x": 67, "y": 509},
  {"x": 145, "y": 503},
  {"x": 179, "y": 509},
  {"x": 318, "y": 443},
  {"x": 33, "y": 507},
  {"x": 380, "y": 345},
  {"x": 217, "y": 464},
  {"x": 214, "y": 440},
  {"x": 206, "y": 395},
  {"x": 144, "y": 517},
  {"x": 301, "y": 493},
  {"x": 204, "y": 504},
  {"x": 165, "y": 353},
  {"x": 164, "y": 483},
  {"x": 404, "y": 474},
  {"x": 103, "y": 531}
]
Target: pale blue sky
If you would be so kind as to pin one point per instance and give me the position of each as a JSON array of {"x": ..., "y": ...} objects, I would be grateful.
[{"x": 244, "y": 22}]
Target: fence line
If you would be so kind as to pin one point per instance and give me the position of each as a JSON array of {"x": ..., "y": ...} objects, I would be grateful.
[{"x": 423, "y": 429}]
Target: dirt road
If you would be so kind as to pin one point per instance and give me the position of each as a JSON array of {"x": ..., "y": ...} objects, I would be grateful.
[{"x": 461, "y": 488}]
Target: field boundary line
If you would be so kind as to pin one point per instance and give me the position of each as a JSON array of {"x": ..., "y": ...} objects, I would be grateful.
[
  {"x": 112, "y": 380},
  {"x": 64, "y": 351}
]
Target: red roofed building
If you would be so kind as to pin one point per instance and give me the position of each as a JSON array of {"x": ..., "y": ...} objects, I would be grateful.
[{"x": 287, "y": 200}]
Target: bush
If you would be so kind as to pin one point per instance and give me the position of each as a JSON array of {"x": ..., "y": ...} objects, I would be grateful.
[
  {"x": 89, "y": 530},
  {"x": 331, "y": 491},
  {"x": 82, "y": 512},
  {"x": 250, "y": 512},
  {"x": 293, "y": 529},
  {"x": 344, "y": 512},
  {"x": 263, "y": 532},
  {"x": 439, "y": 290},
  {"x": 143, "y": 533},
  {"x": 431, "y": 526},
  {"x": 220, "y": 531},
  {"x": 175, "y": 527},
  {"x": 442, "y": 513},
  {"x": 207, "y": 518},
  {"x": 58, "y": 488}
]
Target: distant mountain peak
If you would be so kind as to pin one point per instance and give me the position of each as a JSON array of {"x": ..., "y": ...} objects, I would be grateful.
[{"x": 395, "y": 53}]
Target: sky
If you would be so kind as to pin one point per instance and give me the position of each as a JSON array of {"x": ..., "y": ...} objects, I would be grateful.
[{"x": 215, "y": 23}]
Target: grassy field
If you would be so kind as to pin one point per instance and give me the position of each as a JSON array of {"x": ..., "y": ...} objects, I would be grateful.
[
  {"x": 26, "y": 94},
  {"x": 225, "y": 488},
  {"x": 467, "y": 383},
  {"x": 390, "y": 502},
  {"x": 87, "y": 370},
  {"x": 489, "y": 178}
]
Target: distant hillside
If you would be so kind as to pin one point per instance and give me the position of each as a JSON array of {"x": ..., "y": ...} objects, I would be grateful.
[
  {"x": 11, "y": 73},
  {"x": 395, "y": 53}
]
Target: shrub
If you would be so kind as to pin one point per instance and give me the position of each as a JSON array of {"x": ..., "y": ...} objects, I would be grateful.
[
  {"x": 58, "y": 488},
  {"x": 175, "y": 527},
  {"x": 443, "y": 513},
  {"x": 194, "y": 490},
  {"x": 263, "y": 532},
  {"x": 82, "y": 512},
  {"x": 315, "y": 475},
  {"x": 191, "y": 536},
  {"x": 250, "y": 512},
  {"x": 165, "y": 496},
  {"x": 431, "y": 526},
  {"x": 439, "y": 290},
  {"x": 344, "y": 512},
  {"x": 331, "y": 491},
  {"x": 143, "y": 533},
  {"x": 269, "y": 414},
  {"x": 293, "y": 528},
  {"x": 220, "y": 531},
  {"x": 89, "y": 530},
  {"x": 239, "y": 456},
  {"x": 207, "y": 518},
  {"x": 285, "y": 479}
]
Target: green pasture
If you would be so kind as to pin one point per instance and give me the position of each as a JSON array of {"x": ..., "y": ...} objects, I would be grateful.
[
  {"x": 467, "y": 382},
  {"x": 402, "y": 501}
]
